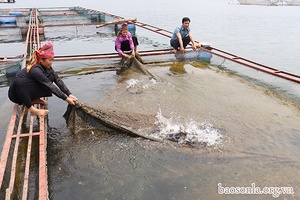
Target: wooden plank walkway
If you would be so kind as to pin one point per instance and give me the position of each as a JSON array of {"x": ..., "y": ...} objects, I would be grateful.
[
  {"x": 8, "y": 166},
  {"x": 18, "y": 168}
]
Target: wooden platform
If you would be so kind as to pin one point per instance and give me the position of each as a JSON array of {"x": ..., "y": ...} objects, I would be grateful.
[
  {"x": 22, "y": 139},
  {"x": 24, "y": 157}
]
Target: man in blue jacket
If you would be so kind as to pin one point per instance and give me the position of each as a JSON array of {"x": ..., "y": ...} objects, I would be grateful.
[{"x": 182, "y": 36}]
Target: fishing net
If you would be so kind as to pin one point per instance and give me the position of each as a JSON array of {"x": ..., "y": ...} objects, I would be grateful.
[
  {"x": 83, "y": 116},
  {"x": 147, "y": 105},
  {"x": 133, "y": 64}
]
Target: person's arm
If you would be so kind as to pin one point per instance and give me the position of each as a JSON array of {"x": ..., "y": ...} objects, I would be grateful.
[
  {"x": 71, "y": 100},
  {"x": 181, "y": 48},
  {"x": 118, "y": 46},
  {"x": 38, "y": 75},
  {"x": 62, "y": 86},
  {"x": 193, "y": 41}
]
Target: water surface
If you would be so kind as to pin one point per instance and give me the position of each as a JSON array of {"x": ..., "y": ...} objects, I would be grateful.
[{"x": 257, "y": 115}]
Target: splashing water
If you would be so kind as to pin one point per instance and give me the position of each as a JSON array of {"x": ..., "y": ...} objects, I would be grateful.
[
  {"x": 132, "y": 83},
  {"x": 190, "y": 133},
  {"x": 137, "y": 83}
]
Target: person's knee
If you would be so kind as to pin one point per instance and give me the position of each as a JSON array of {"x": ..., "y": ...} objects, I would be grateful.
[
  {"x": 174, "y": 43},
  {"x": 135, "y": 40},
  {"x": 186, "y": 39}
]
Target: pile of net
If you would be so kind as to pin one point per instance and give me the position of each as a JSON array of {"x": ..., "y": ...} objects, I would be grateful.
[
  {"x": 83, "y": 116},
  {"x": 134, "y": 64}
]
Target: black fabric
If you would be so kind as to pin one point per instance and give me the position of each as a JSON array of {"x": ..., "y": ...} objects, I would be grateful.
[
  {"x": 175, "y": 43},
  {"x": 37, "y": 83},
  {"x": 135, "y": 41},
  {"x": 125, "y": 46}
]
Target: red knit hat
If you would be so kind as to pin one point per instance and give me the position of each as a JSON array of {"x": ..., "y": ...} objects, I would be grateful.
[{"x": 46, "y": 51}]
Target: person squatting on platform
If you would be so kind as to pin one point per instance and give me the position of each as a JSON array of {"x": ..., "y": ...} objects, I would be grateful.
[
  {"x": 182, "y": 36},
  {"x": 126, "y": 42},
  {"x": 36, "y": 81}
]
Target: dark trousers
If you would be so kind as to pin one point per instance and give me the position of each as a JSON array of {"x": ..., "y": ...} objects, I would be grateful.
[
  {"x": 175, "y": 43},
  {"x": 23, "y": 92}
]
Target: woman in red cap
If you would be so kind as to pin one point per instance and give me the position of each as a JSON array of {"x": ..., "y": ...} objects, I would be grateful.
[{"x": 36, "y": 81}]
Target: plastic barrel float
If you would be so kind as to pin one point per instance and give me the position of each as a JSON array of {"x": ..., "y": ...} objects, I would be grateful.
[
  {"x": 82, "y": 11},
  {"x": 200, "y": 54},
  {"x": 7, "y": 21},
  {"x": 16, "y": 13},
  {"x": 95, "y": 17},
  {"x": 10, "y": 67},
  {"x": 131, "y": 28}
]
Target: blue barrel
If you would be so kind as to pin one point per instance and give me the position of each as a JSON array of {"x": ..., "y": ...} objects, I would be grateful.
[
  {"x": 82, "y": 11},
  {"x": 7, "y": 20},
  {"x": 16, "y": 13},
  {"x": 97, "y": 17},
  {"x": 72, "y": 8},
  {"x": 131, "y": 28},
  {"x": 205, "y": 56},
  {"x": 94, "y": 17},
  {"x": 8, "y": 25},
  {"x": 194, "y": 55},
  {"x": 102, "y": 17}
]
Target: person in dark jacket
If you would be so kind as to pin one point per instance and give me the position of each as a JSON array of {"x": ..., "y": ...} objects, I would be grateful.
[{"x": 39, "y": 80}]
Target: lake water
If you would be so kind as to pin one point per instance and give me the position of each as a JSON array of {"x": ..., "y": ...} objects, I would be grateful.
[{"x": 249, "y": 121}]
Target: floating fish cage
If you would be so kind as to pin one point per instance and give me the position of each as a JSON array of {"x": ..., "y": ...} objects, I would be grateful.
[
  {"x": 76, "y": 26},
  {"x": 10, "y": 68},
  {"x": 16, "y": 13},
  {"x": 7, "y": 21},
  {"x": 11, "y": 18},
  {"x": 97, "y": 17}
]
